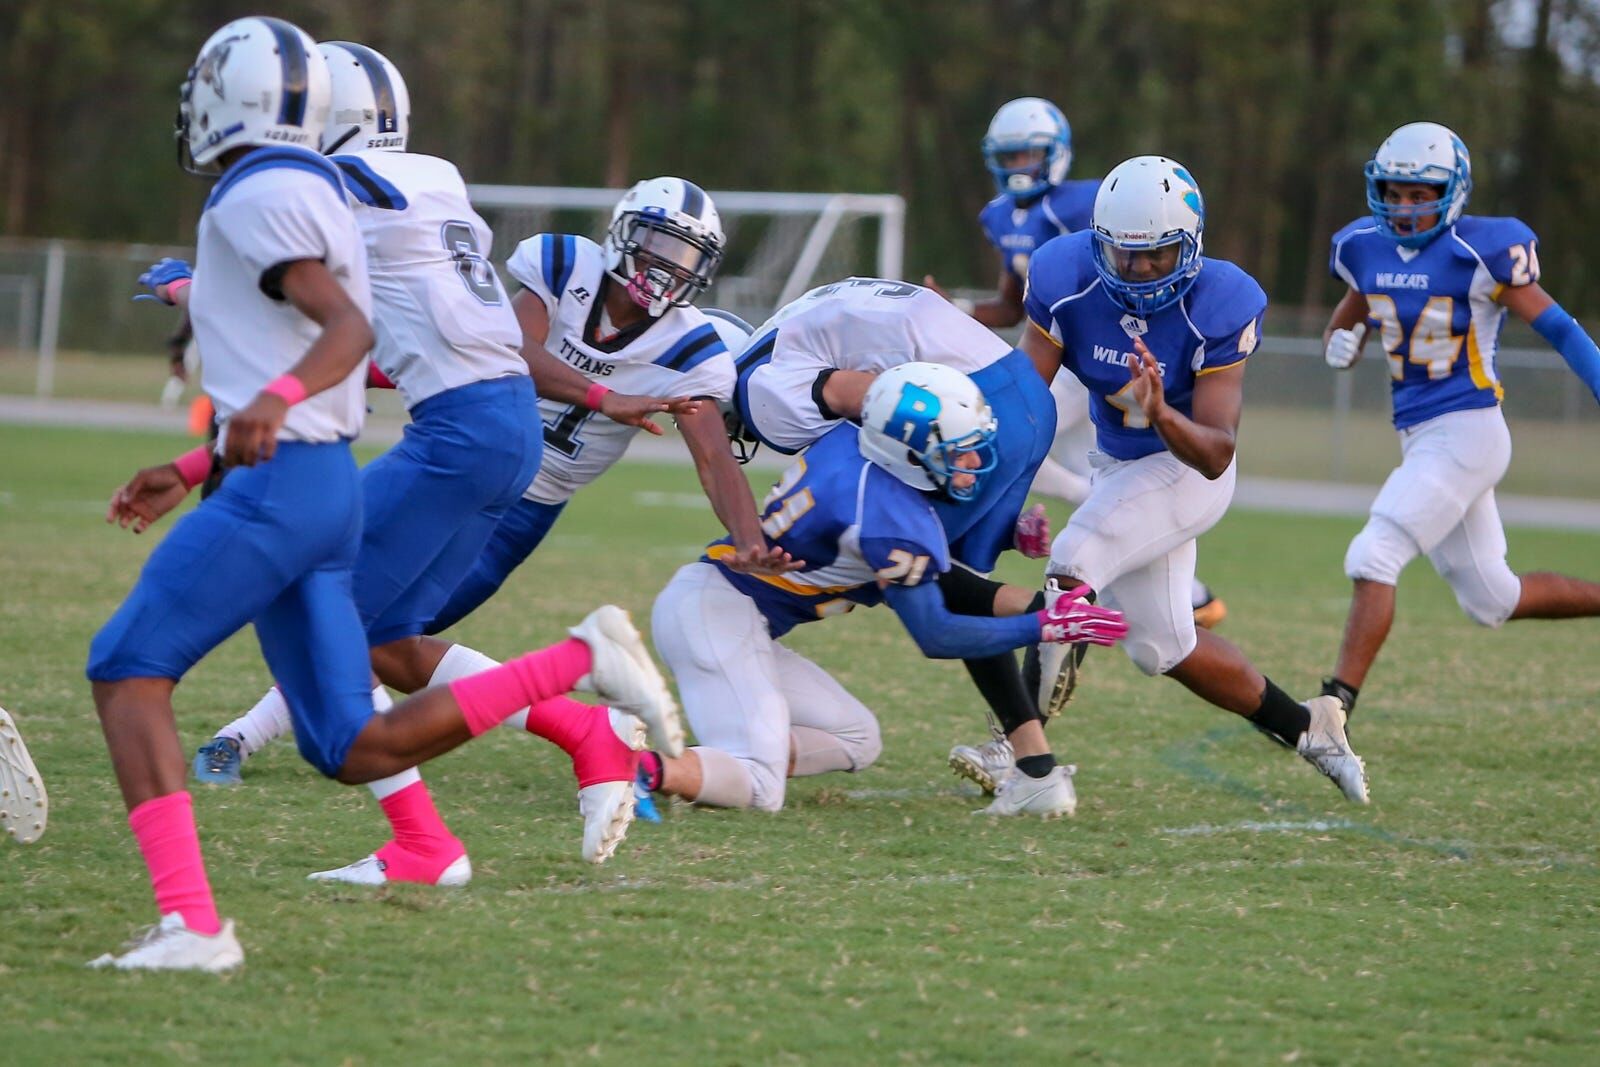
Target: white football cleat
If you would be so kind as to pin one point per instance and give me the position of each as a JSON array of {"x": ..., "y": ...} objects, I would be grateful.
[
  {"x": 172, "y": 946},
  {"x": 607, "y": 810},
  {"x": 987, "y": 764},
  {"x": 1325, "y": 746},
  {"x": 371, "y": 871},
  {"x": 1058, "y": 663},
  {"x": 624, "y": 675},
  {"x": 24, "y": 807},
  {"x": 1049, "y": 797}
]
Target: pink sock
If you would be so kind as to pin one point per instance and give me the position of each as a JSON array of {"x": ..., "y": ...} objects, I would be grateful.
[
  {"x": 423, "y": 845},
  {"x": 164, "y": 828},
  {"x": 493, "y": 696},
  {"x": 584, "y": 732}
]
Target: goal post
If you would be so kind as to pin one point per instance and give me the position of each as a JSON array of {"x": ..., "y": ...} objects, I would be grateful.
[{"x": 778, "y": 244}]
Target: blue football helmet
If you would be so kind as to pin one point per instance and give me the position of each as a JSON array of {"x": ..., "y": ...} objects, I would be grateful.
[
  {"x": 1036, "y": 129},
  {"x": 1419, "y": 152}
]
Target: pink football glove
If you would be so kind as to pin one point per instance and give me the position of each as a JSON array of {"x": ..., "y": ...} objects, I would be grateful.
[
  {"x": 1033, "y": 533},
  {"x": 1072, "y": 620}
]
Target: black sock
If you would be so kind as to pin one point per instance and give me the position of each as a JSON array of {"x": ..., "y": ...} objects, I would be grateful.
[
  {"x": 1281, "y": 716},
  {"x": 1000, "y": 682},
  {"x": 1037, "y": 766},
  {"x": 1333, "y": 687}
]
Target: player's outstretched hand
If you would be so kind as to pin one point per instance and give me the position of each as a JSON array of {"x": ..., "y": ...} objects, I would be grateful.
[
  {"x": 1073, "y": 620},
  {"x": 253, "y": 431},
  {"x": 1145, "y": 374},
  {"x": 633, "y": 410},
  {"x": 148, "y": 495},
  {"x": 1033, "y": 533},
  {"x": 763, "y": 560},
  {"x": 1344, "y": 346},
  {"x": 160, "y": 277}
]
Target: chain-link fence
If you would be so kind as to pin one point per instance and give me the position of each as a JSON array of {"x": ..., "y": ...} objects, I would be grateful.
[{"x": 1301, "y": 419}]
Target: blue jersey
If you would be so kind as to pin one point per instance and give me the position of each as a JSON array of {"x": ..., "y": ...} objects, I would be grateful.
[
  {"x": 852, "y": 522},
  {"x": 1017, "y": 232},
  {"x": 1435, "y": 307},
  {"x": 1215, "y": 325}
]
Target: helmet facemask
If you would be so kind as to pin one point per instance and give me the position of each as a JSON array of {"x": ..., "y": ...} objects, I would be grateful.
[
  {"x": 1023, "y": 170},
  {"x": 942, "y": 461},
  {"x": 662, "y": 263},
  {"x": 1114, "y": 257}
]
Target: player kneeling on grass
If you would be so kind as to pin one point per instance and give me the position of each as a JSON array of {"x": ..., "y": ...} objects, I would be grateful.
[
  {"x": 281, "y": 311},
  {"x": 858, "y": 509},
  {"x": 1159, "y": 334},
  {"x": 1438, "y": 284}
]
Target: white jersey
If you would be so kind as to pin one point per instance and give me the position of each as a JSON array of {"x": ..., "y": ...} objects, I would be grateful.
[
  {"x": 441, "y": 317},
  {"x": 859, "y": 324},
  {"x": 677, "y": 354},
  {"x": 274, "y": 207}
]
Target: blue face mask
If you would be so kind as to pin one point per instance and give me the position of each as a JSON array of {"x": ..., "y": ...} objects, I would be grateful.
[
  {"x": 1145, "y": 298},
  {"x": 1454, "y": 187}
]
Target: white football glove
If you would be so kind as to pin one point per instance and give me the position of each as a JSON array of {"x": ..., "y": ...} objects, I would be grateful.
[{"x": 1344, "y": 346}]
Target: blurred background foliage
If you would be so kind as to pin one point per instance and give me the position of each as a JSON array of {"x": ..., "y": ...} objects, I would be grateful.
[{"x": 1273, "y": 104}]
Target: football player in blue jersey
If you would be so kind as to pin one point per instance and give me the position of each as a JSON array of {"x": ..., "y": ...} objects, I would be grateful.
[
  {"x": 1028, "y": 151},
  {"x": 1437, "y": 284},
  {"x": 1159, "y": 334},
  {"x": 858, "y": 508}
]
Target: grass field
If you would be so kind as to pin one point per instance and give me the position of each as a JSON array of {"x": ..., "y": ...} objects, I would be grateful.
[{"x": 1213, "y": 901}]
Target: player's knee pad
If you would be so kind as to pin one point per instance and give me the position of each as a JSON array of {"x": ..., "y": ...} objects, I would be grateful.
[
  {"x": 1379, "y": 552},
  {"x": 1487, "y": 594}
]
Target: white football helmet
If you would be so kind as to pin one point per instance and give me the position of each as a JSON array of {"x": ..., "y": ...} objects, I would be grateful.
[
  {"x": 664, "y": 243},
  {"x": 371, "y": 108},
  {"x": 916, "y": 420},
  {"x": 1028, "y": 125},
  {"x": 257, "y": 81},
  {"x": 1146, "y": 203},
  {"x": 1419, "y": 152},
  {"x": 735, "y": 333}
]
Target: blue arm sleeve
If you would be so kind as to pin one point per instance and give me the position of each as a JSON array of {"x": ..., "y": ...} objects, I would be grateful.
[
  {"x": 942, "y": 635},
  {"x": 1575, "y": 345}
]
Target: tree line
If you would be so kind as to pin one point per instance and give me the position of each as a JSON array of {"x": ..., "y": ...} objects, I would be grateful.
[{"x": 1274, "y": 105}]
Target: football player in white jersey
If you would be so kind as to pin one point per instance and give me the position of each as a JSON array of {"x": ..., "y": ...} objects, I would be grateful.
[
  {"x": 860, "y": 503},
  {"x": 448, "y": 340},
  {"x": 280, "y": 304},
  {"x": 622, "y": 314},
  {"x": 808, "y": 368}
]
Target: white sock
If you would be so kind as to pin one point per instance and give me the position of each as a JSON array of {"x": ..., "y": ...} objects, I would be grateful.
[
  {"x": 382, "y": 702},
  {"x": 1055, "y": 480},
  {"x": 464, "y": 662},
  {"x": 265, "y": 722}
]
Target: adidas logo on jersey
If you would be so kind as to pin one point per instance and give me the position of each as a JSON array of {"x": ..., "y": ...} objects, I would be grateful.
[
  {"x": 1393, "y": 280},
  {"x": 1134, "y": 326}
]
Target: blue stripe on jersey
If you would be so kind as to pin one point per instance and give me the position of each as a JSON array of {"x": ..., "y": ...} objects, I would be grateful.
[
  {"x": 271, "y": 159},
  {"x": 292, "y": 54},
  {"x": 383, "y": 97},
  {"x": 367, "y": 186},
  {"x": 692, "y": 349},
  {"x": 757, "y": 355},
  {"x": 559, "y": 255},
  {"x": 694, "y": 199}
]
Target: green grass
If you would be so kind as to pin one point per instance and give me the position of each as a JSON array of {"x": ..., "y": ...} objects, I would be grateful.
[{"x": 875, "y": 921}]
